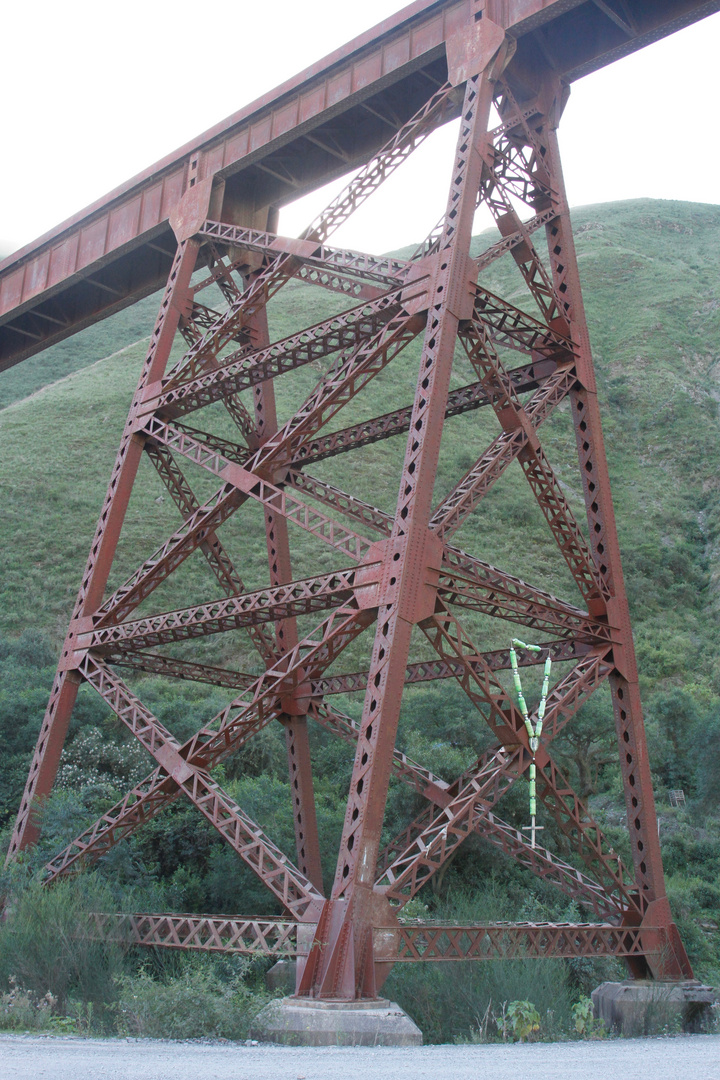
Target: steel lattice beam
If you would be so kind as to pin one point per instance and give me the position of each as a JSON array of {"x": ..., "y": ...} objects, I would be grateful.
[
  {"x": 204, "y": 933},
  {"x": 499, "y": 941},
  {"x": 407, "y": 943}
]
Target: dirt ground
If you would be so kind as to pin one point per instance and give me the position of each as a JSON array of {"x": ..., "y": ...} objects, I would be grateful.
[{"x": 30, "y": 1057}]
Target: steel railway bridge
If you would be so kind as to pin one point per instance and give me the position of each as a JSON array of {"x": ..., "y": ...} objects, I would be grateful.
[{"x": 202, "y": 223}]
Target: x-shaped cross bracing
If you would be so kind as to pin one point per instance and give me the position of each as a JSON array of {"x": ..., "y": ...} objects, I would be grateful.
[{"x": 407, "y": 574}]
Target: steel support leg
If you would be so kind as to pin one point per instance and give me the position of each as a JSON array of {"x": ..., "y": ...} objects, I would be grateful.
[
  {"x": 632, "y": 743},
  {"x": 57, "y": 717},
  {"x": 342, "y": 965},
  {"x": 297, "y": 738}
]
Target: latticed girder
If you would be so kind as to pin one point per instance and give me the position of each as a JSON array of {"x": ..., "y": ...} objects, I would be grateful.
[
  {"x": 374, "y": 568},
  {"x": 515, "y": 941},
  {"x": 430, "y": 670},
  {"x": 248, "y": 609},
  {"x": 383, "y": 269},
  {"x": 347, "y": 683},
  {"x": 392, "y": 944},
  {"x": 200, "y": 387},
  {"x": 204, "y": 933},
  {"x": 466, "y": 399}
]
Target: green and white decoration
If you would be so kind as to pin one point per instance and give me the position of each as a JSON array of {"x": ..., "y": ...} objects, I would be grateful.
[{"x": 534, "y": 731}]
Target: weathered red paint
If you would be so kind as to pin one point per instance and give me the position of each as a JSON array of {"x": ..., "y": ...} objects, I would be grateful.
[{"x": 395, "y": 572}]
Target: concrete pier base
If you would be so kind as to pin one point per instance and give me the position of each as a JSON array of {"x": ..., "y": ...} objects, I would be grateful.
[
  {"x": 637, "y": 1007},
  {"x": 303, "y": 1022},
  {"x": 282, "y": 976}
]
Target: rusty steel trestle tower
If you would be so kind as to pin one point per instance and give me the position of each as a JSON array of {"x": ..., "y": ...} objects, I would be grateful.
[{"x": 397, "y": 573}]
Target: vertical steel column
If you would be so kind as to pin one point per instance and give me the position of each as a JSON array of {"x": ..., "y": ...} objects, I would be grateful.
[
  {"x": 294, "y": 722},
  {"x": 630, "y": 729},
  {"x": 344, "y": 967},
  {"x": 65, "y": 687}
]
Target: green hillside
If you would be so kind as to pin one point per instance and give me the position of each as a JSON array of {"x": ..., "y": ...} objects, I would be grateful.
[
  {"x": 77, "y": 351},
  {"x": 651, "y": 277},
  {"x": 650, "y": 274}
]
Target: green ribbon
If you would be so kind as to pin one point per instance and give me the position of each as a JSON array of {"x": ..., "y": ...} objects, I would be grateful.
[{"x": 534, "y": 730}]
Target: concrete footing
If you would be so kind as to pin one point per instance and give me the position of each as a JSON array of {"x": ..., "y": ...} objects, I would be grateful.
[
  {"x": 637, "y": 1007},
  {"x": 282, "y": 976},
  {"x": 303, "y": 1022}
]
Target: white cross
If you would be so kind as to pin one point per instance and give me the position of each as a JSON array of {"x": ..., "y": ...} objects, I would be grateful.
[{"x": 532, "y": 829}]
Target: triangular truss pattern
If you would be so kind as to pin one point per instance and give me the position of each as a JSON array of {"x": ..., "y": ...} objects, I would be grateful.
[{"x": 394, "y": 571}]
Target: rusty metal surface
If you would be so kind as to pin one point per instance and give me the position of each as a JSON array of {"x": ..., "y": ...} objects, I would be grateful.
[
  {"x": 204, "y": 933},
  {"x": 317, "y": 126},
  {"x": 498, "y": 941},
  {"x": 377, "y": 573},
  {"x": 404, "y": 944}
]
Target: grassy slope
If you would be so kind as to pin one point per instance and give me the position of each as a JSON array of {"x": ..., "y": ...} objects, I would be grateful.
[
  {"x": 77, "y": 351},
  {"x": 650, "y": 273},
  {"x": 650, "y": 276}
]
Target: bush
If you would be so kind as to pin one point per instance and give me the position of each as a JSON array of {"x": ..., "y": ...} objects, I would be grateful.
[
  {"x": 57, "y": 973},
  {"x": 21, "y": 1010},
  {"x": 469, "y": 1000},
  {"x": 524, "y": 1019},
  {"x": 50, "y": 948},
  {"x": 196, "y": 1003},
  {"x": 708, "y": 763},
  {"x": 583, "y": 1015},
  {"x": 707, "y": 896}
]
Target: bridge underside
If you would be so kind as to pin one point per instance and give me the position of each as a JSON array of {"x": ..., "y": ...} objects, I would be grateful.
[{"x": 314, "y": 128}]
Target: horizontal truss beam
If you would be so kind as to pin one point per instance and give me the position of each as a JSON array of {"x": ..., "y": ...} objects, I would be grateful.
[
  {"x": 379, "y": 269},
  {"x": 429, "y": 670},
  {"x": 425, "y": 671},
  {"x": 264, "y": 605},
  {"x": 510, "y": 941},
  {"x": 204, "y": 933},
  {"x": 195, "y": 387},
  {"x": 466, "y": 399},
  {"x": 391, "y": 944},
  {"x": 171, "y": 668}
]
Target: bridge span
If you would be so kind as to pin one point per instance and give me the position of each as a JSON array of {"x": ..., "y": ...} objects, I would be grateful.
[{"x": 313, "y": 128}]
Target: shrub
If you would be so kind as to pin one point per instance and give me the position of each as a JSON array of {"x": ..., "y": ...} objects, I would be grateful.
[
  {"x": 469, "y": 1000},
  {"x": 524, "y": 1019},
  {"x": 707, "y": 896},
  {"x": 22, "y": 1010},
  {"x": 583, "y": 1015},
  {"x": 196, "y": 1003},
  {"x": 49, "y": 945}
]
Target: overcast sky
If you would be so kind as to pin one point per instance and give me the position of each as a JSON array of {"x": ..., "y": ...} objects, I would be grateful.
[{"x": 94, "y": 93}]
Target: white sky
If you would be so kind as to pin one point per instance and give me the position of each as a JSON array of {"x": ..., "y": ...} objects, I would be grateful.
[{"x": 93, "y": 93}]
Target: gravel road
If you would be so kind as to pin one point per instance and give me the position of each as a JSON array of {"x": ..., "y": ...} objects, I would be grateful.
[{"x": 24, "y": 1057}]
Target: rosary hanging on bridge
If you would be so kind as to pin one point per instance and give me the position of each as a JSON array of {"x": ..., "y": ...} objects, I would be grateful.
[{"x": 534, "y": 732}]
